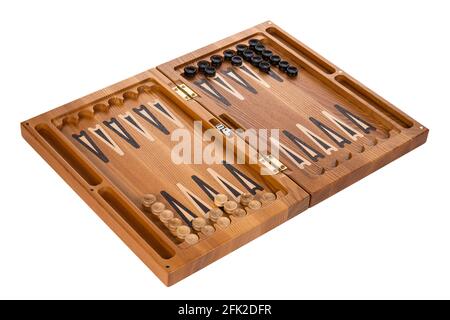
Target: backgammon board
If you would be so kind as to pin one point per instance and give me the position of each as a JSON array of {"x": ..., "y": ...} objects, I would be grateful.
[{"x": 119, "y": 148}]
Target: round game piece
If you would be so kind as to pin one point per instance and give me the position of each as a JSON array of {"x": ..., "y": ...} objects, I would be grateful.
[
  {"x": 236, "y": 61},
  {"x": 292, "y": 71},
  {"x": 259, "y": 48},
  {"x": 210, "y": 71},
  {"x": 230, "y": 206},
  {"x": 208, "y": 230},
  {"x": 149, "y": 197},
  {"x": 253, "y": 42},
  {"x": 268, "y": 196},
  {"x": 282, "y": 65},
  {"x": 215, "y": 214},
  {"x": 275, "y": 60},
  {"x": 254, "y": 204},
  {"x": 191, "y": 238},
  {"x": 264, "y": 66},
  {"x": 190, "y": 71},
  {"x": 148, "y": 200},
  {"x": 245, "y": 198},
  {"x": 220, "y": 199},
  {"x": 174, "y": 223},
  {"x": 183, "y": 231},
  {"x": 240, "y": 48},
  {"x": 223, "y": 222},
  {"x": 198, "y": 223},
  {"x": 157, "y": 208},
  {"x": 216, "y": 60},
  {"x": 165, "y": 216},
  {"x": 202, "y": 64},
  {"x": 256, "y": 60},
  {"x": 248, "y": 54},
  {"x": 267, "y": 54},
  {"x": 239, "y": 212},
  {"x": 228, "y": 54}
]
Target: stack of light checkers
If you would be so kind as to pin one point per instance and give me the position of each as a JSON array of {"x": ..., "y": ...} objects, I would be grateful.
[
  {"x": 255, "y": 53},
  {"x": 218, "y": 215}
]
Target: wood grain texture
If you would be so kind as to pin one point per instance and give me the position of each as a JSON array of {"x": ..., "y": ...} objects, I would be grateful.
[
  {"x": 114, "y": 190},
  {"x": 113, "y": 146},
  {"x": 319, "y": 87}
]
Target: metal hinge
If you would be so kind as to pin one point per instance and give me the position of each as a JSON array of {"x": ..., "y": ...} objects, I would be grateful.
[
  {"x": 184, "y": 91},
  {"x": 272, "y": 164}
]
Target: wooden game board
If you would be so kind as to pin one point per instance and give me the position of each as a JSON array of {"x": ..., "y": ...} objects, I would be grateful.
[{"x": 113, "y": 146}]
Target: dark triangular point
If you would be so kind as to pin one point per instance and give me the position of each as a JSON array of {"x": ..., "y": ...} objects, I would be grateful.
[
  {"x": 204, "y": 208},
  {"x": 243, "y": 179},
  {"x": 249, "y": 72},
  {"x": 134, "y": 123},
  {"x": 223, "y": 83},
  {"x": 143, "y": 112},
  {"x": 206, "y": 87},
  {"x": 178, "y": 207},
  {"x": 235, "y": 192},
  {"x": 275, "y": 76},
  {"x": 333, "y": 135},
  {"x": 162, "y": 109},
  {"x": 207, "y": 189},
  {"x": 90, "y": 145},
  {"x": 304, "y": 146},
  {"x": 360, "y": 123},
  {"x": 294, "y": 156},
  {"x": 102, "y": 135},
  {"x": 118, "y": 129}
]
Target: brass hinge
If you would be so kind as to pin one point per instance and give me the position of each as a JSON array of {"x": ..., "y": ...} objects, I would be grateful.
[
  {"x": 272, "y": 164},
  {"x": 184, "y": 91}
]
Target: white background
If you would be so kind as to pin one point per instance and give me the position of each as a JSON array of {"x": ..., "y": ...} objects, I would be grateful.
[{"x": 387, "y": 236}]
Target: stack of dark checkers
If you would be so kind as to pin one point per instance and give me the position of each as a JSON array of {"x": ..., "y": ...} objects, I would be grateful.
[{"x": 114, "y": 146}]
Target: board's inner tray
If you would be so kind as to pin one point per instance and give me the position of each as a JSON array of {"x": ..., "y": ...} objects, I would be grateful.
[
  {"x": 329, "y": 125},
  {"x": 120, "y": 146}
]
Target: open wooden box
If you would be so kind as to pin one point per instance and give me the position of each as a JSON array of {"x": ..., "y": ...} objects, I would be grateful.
[{"x": 114, "y": 145}]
